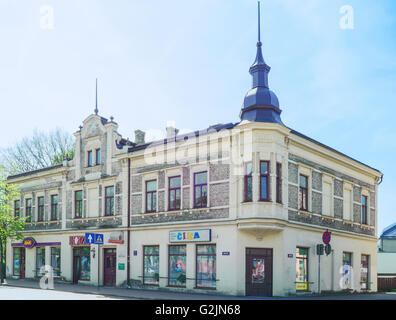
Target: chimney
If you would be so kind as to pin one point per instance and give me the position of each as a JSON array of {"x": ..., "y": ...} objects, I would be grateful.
[
  {"x": 139, "y": 136},
  {"x": 171, "y": 132}
]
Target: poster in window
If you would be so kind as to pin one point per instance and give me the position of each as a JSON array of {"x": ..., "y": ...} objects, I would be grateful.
[{"x": 258, "y": 271}]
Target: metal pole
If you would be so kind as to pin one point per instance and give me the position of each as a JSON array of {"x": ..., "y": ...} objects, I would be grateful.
[
  {"x": 319, "y": 276},
  {"x": 98, "y": 263}
]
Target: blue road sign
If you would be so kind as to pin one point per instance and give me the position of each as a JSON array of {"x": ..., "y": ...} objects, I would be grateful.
[
  {"x": 98, "y": 238},
  {"x": 89, "y": 238}
]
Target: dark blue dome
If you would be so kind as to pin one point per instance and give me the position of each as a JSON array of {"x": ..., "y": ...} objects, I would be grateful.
[{"x": 260, "y": 96}]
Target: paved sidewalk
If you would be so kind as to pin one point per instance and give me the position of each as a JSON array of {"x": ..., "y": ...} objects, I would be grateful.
[{"x": 146, "y": 294}]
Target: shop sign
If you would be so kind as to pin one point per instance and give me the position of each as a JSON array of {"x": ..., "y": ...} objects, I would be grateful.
[
  {"x": 190, "y": 235},
  {"x": 121, "y": 266},
  {"x": 29, "y": 242},
  {"x": 301, "y": 286},
  {"x": 116, "y": 237},
  {"x": 77, "y": 240}
]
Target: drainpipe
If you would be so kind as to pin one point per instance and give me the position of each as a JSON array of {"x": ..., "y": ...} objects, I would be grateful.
[{"x": 129, "y": 225}]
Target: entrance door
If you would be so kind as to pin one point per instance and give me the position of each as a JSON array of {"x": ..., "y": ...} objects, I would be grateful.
[
  {"x": 22, "y": 257},
  {"x": 258, "y": 272},
  {"x": 109, "y": 276},
  {"x": 76, "y": 268}
]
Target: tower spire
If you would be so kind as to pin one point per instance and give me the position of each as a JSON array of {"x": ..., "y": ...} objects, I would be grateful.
[
  {"x": 258, "y": 24},
  {"x": 96, "y": 98}
]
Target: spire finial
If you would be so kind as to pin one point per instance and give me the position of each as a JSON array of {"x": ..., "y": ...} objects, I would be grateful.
[
  {"x": 96, "y": 101},
  {"x": 258, "y": 25}
]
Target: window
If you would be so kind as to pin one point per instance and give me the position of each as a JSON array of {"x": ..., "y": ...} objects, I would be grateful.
[
  {"x": 200, "y": 189},
  {"x": 97, "y": 156},
  {"x": 78, "y": 204},
  {"x": 17, "y": 261},
  {"x": 177, "y": 266},
  {"x": 364, "y": 272},
  {"x": 327, "y": 199},
  {"x": 55, "y": 261},
  {"x": 109, "y": 201},
  {"x": 347, "y": 204},
  {"x": 151, "y": 265},
  {"x": 279, "y": 182},
  {"x": 364, "y": 210},
  {"x": 40, "y": 261},
  {"x": 82, "y": 263},
  {"x": 301, "y": 269},
  {"x": 40, "y": 209},
  {"x": 264, "y": 180},
  {"x": 248, "y": 182},
  {"x": 174, "y": 193},
  {"x": 90, "y": 162},
  {"x": 303, "y": 193},
  {"x": 54, "y": 207},
  {"x": 28, "y": 212},
  {"x": 151, "y": 196},
  {"x": 206, "y": 266},
  {"x": 17, "y": 208},
  {"x": 347, "y": 270}
]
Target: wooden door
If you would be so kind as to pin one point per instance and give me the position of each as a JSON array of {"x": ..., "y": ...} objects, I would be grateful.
[
  {"x": 109, "y": 270},
  {"x": 258, "y": 272}
]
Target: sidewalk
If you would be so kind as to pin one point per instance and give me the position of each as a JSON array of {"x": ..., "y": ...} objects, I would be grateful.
[{"x": 146, "y": 294}]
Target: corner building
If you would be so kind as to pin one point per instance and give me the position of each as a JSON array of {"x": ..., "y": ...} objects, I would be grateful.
[{"x": 236, "y": 208}]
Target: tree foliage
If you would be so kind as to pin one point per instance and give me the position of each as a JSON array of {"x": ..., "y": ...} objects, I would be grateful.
[{"x": 39, "y": 151}]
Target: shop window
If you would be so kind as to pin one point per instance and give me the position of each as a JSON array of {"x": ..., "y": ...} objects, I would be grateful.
[
  {"x": 81, "y": 264},
  {"x": 177, "y": 266},
  {"x": 55, "y": 261},
  {"x": 151, "y": 265},
  {"x": 151, "y": 196},
  {"x": 78, "y": 202},
  {"x": 303, "y": 192},
  {"x": 279, "y": 182},
  {"x": 264, "y": 180},
  {"x": 54, "y": 207},
  {"x": 17, "y": 208},
  {"x": 40, "y": 209},
  {"x": 200, "y": 189},
  {"x": 206, "y": 266},
  {"x": 248, "y": 182},
  {"x": 40, "y": 261},
  {"x": 301, "y": 269},
  {"x": 109, "y": 201},
  {"x": 28, "y": 210},
  {"x": 347, "y": 270},
  {"x": 364, "y": 210},
  {"x": 174, "y": 193},
  {"x": 16, "y": 261},
  {"x": 364, "y": 272}
]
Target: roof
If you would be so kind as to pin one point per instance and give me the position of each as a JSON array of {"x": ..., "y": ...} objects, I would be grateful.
[
  {"x": 389, "y": 232},
  {"x": 27, "y": 173}
]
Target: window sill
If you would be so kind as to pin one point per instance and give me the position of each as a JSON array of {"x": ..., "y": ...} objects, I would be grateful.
[
  {"x": 304, "y": 212},
  {"x": 205, "y": 288}
]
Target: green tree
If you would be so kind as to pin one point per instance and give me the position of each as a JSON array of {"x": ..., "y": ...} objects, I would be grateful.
[{"x": 10, "y": 226}]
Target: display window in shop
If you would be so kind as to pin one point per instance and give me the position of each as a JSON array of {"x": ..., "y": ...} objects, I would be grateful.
[
  {"x": 40, "y": 261},
  {"x": 364, "y": 272},
  {"x": 18, "y": 263},
  {"x": 206, "y": 266},
  {"x": 177, "y": 265},
  {"x": 81, "y": 264},
  {"x": 347, "y": 269},
  {"x": 151, "y": 265},
  {"x": 302, "y": 269},
  {"x": 55, "y": 261}
]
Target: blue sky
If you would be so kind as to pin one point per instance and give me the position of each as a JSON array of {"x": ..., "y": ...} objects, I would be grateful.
[{"x": 188, "y": 61}]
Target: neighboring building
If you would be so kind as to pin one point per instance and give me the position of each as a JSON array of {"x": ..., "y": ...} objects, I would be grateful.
[
  {"x": 235, "y": 209},
  {"x": 387, "y": 259}
]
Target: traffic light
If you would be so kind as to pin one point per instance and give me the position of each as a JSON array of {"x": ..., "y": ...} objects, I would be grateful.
[{"x": 328, "y": 249}]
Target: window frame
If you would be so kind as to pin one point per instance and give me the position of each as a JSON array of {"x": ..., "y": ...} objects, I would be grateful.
[
  {"x": 42, "y": 255},
  {"x": 90, "y": 158},
  {"x": 307, "y": 265},
  {"x": 303, "y": 190},
  {"x": 97, "y": 155},
  {"x": 364, "y": 210},
  {"x": 279, "y": 182},
  {"x": 367, "y": 282},
  {"x": 28, "y": 209},
  {"x": 40, "y": 209},
  {"x": 174, "y": 189},
  {"x": 248, "y": 176},
  {"x": 54, "y": 207},
  {"x": 155, "y": 255},
  {"x": 152, "y": 196},
  {"x": 200, "y": 185},
  {"x": 111, "y": 199},
  {"x": 17, "y": 210},
  {"x": 51, "y": 255},
  {"x": 267, "y": 176},
  {"x": 80, "y": 204}
]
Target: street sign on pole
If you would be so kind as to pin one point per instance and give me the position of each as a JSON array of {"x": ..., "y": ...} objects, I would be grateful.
[
  {"x": 94, "y": 238},
  {"x": 98, "y": 238},
  {"x": 326, "y": 237}
]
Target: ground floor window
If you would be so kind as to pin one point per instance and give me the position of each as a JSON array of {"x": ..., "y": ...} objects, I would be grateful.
[
  {"x": 206, "y": 266},
  {"x": 177, "y": 265},
  {"x": 17, "y": 261},
  {"x": 346, "y": 270},
  {"x": 55, "y": 261},
  {"x": 40, "y": 261},
  {"x": 81, "y": 264},
  {"x": 364, "y": 272},
  {"x": 301, "y": 269},
  {"x": 151, "y": 265}
]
